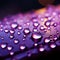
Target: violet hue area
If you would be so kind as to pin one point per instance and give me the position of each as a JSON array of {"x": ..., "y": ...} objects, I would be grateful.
[{"x": 25, "y": 34}]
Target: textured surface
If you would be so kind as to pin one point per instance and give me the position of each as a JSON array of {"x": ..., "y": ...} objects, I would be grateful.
[{"x": 25, "y": 34}]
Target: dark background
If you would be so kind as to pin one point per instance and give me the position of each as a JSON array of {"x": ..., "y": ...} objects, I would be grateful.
[{"x": 11, "y": 7}]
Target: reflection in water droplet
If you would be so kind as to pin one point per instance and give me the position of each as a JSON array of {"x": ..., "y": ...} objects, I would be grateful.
[{"x": 36, "y": 37}]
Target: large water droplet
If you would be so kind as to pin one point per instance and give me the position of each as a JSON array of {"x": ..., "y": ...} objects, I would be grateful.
[{"x": 36, "y": 37}]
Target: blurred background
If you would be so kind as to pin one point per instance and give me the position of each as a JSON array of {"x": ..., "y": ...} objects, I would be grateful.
[{"x": 9, "y": 7}]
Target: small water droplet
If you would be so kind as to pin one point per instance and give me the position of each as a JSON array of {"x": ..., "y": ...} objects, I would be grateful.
[
  {"x": 35, "y": 24},
  {"x": 11, "y": 36},
  {"x": 47, "y": 40},
  {"x": 19, "y": 33},
  {"x": 9, "y": 48},
  {"x": 6, "y": 30},
  {"x": 14, "y": 25},
  {"x": 52, "y": 45},
  {"x": 12, "y": 31},
  {"x": 35, "y": 44},
  {"x": 3, "y": 45},
  {"x": 48, "y": 23},
  {"x": 55, "y": 24},
  {"x": 22, "y": 47},
  {"x": 41, "y": 49},
  {"x": 35, "y": 30},
  {"x": 42, "y": 28},
  {"x": 19, "y": 27},
  {"x": 11, "y": 53},
  {"x": 16, "y": 41},
  {"x": 26, "y": 31}
]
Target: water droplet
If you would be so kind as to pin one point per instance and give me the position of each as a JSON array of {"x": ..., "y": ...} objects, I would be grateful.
[
  {"x": 16, "y": 41},
  {"x": 55, "y": 24},
  {"x": 35, "y": 30},
  {"x": 11, "y": 53},
  {"x": 11, "y": 36},
  {"x": 55, "y": 38},
  {"x": 26, "y": 31},
  {"x": 42, "y": 28},
  {"x": 9, "y": 48},
  {"x": 48, "y": 23},
  {"x": 35, "y": 24},
  {"x": 6, "y": 30},
  {"x": 36, "y": 37},
  {"x": 41, "y": 49},
  {"x": 52, "y": 45},
  {"x": 14, "y": 25},
  {"x": 12, "y": 31},
  {"x": 19, "y": 27},
  {"x": 35, "y": 44},
  {"x": 19, "y": 33},
  {"x": 3, "y": 45},
  {"x": 22, "y": 47},
  {"x": 47, "y": 40}
]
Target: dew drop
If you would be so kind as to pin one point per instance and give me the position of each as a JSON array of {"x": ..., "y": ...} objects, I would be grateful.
[
  {"x": 41, "y": 49},
  {"x": 47, "y": 23},
  {"x": 3, "y": 45},
  {"x": 53, "y": 45},
  {"x": 35, "y": 24},
  {"x": 9, "y": 48},
  {"x": 11, "y": 36},
  {"x": 16, "y": 41},
  {"x": 55, "y": 24},
  {"x": 26, "y": 31},
  {"x": 14, "y": 25},
  {"x": 11, "y": 53},
  {"x": 22, "y": 47},
  {"x": 47, "y": 40},
  {"x": 6, "y": 30},
  {"x": 42, "y": 28},
  {"x": 19, "y": 27},
  {"x": 18, "y": 33},
  {"x": 12, "y": 31},
  {"x": 36, "y": 37}
]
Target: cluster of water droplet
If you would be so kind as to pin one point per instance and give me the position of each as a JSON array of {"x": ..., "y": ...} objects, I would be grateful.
[{"x": 36, "y": 32}]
